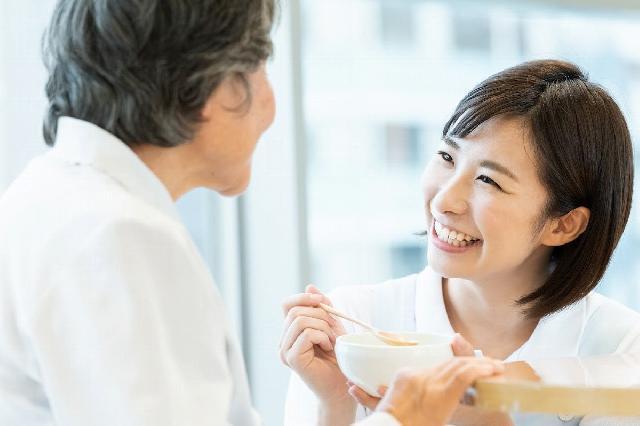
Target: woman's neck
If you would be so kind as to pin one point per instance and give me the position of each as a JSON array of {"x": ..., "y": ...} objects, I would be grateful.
[{"x": 486, "y": 313}]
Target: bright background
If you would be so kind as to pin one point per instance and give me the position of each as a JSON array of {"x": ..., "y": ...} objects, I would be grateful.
[{"x": 364, "y": 88}]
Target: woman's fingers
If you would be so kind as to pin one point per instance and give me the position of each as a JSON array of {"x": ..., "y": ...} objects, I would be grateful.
[
  {"x": 313, "y": 327},
  {"x": 310, "y": 288},
  {"x": 300, "y": 324},
  {"x": 460, "y": 346},
  {"x": 303, "y": 344},
  {"x": 307, "y": 324},
  {"x": 302, "y": 299},
  {"x": 311, "y": 297},
  {"x": 306, "y": 311},
  {"x": 314, "y": 290},
  {"x": 363, "y": 398}
]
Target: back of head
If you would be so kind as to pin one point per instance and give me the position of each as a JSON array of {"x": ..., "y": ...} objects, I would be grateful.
[
  {"x": 584, "y": 158},
  {"x": 143, "y": 69}
]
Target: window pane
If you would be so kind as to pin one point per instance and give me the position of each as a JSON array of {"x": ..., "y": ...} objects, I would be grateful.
[{"x": 397, "y": 26}]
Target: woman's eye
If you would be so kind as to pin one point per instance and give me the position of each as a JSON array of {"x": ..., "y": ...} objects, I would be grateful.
[
  {"x": 487, "y": 179},
  {"x": 446, "y": 157}
]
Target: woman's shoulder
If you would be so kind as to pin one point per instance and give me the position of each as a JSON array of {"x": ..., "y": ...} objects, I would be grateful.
[
  {"x": 597, "y": 302},
  {"x": 609, "y": 326}
]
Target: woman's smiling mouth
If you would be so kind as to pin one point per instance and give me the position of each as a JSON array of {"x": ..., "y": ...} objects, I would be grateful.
[{"x": 451, "y": 240}]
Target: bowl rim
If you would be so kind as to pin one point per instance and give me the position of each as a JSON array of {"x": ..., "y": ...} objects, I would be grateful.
[{"x": 340, "y": 339}]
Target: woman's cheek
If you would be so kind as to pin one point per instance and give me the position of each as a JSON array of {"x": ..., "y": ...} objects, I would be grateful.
[{"x": 494, "y": 223}]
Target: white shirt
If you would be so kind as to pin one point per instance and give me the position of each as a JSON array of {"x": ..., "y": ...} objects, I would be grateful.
[
  {"x": 593, "y": 326},
  {"x": 108, "y": 314}
]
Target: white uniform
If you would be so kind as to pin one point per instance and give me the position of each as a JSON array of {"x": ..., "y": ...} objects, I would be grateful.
[
  {"x": 108, "y": 314},
  {"x": 593, "y": 326}
]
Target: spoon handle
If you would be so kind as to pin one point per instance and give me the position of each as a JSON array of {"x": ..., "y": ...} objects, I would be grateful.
[{"x": 337, "y": 313}]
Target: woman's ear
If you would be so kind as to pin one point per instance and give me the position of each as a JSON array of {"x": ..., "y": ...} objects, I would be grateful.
[{"x": 564, "y": 229}]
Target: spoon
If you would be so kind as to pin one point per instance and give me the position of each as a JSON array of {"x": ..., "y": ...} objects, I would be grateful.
[{"x": 387, "y": 337}]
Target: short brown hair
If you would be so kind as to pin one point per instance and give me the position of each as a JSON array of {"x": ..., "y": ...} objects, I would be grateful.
[{"x": 584, "y": 158}]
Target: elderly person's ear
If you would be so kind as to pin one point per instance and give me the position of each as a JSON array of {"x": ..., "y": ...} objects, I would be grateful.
[{"x": 228, "y": 95}]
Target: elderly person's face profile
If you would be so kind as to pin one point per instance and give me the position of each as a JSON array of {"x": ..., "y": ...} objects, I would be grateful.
[
  {"x": 190, "y": 96},
  {"x": 224, "y": 144}
]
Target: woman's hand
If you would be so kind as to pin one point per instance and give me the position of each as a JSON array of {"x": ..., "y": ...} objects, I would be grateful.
[
  {"x": 307, "y": 346},
  {"x": 460, "y": 347},
  {"x": 429, "y": 398}
]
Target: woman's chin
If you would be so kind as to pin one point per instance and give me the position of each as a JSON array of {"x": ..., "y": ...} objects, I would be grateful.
[{"x": 447, "y": 268}]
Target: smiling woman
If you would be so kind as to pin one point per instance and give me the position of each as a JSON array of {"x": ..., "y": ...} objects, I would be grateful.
[
  {"x": 464, "y": 194},
  {"x": 521, "y": 229},
  {"x": 573, "y": 136}
]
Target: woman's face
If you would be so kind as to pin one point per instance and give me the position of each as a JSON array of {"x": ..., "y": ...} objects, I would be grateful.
[{"x": 483, "y": 201}]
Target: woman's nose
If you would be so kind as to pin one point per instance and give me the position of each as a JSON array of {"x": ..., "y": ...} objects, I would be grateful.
[{"x": 451, "y": 197}]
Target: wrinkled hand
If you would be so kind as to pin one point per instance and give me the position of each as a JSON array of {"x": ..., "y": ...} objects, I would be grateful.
[
  {"x": 459, "y": 346},
  {"x": 430, "y": 397},
  {"x": 307, "y": 344}
]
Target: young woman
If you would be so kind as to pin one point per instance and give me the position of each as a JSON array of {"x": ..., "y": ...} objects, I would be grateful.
[{"x": 525, "y": 200}]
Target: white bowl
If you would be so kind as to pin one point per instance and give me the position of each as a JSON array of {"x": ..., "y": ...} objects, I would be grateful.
[{"x": 369, "y": 363}]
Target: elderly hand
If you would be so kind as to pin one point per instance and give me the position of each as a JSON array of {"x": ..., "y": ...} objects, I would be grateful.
[
  {"x": 459, "y": 346},
  {"x": 429, "y": 398}
]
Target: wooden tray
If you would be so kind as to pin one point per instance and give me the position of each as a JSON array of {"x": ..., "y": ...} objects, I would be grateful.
[{"x": 606, "y": 385}]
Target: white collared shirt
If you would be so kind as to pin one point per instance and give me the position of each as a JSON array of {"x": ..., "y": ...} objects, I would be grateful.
[
  {"x": 593, "y": 326},
  {"x": 108, "y": 314}
]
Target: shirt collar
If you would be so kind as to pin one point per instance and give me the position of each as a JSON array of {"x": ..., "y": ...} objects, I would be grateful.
[
  {"x": 556, "y": 335},
  {"x": 80, "y": 142},
  {"x": 431, "y": 314}
]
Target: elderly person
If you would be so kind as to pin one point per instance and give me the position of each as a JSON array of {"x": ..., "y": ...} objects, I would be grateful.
[{"x": 109, "y": 315}]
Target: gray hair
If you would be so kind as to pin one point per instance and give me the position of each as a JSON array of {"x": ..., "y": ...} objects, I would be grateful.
[{"x": 144, "y": 69}]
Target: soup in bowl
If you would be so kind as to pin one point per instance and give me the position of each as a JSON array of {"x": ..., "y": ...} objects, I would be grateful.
[{"x": 370, "y": 363}]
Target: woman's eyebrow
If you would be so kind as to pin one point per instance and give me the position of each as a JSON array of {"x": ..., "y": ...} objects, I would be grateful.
[
  {"x": 489, "y": 164},
  {"x": 449, "y": 141}
]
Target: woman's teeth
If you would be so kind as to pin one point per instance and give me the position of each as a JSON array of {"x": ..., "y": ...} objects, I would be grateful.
[{"x": 454, "y": 238}]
